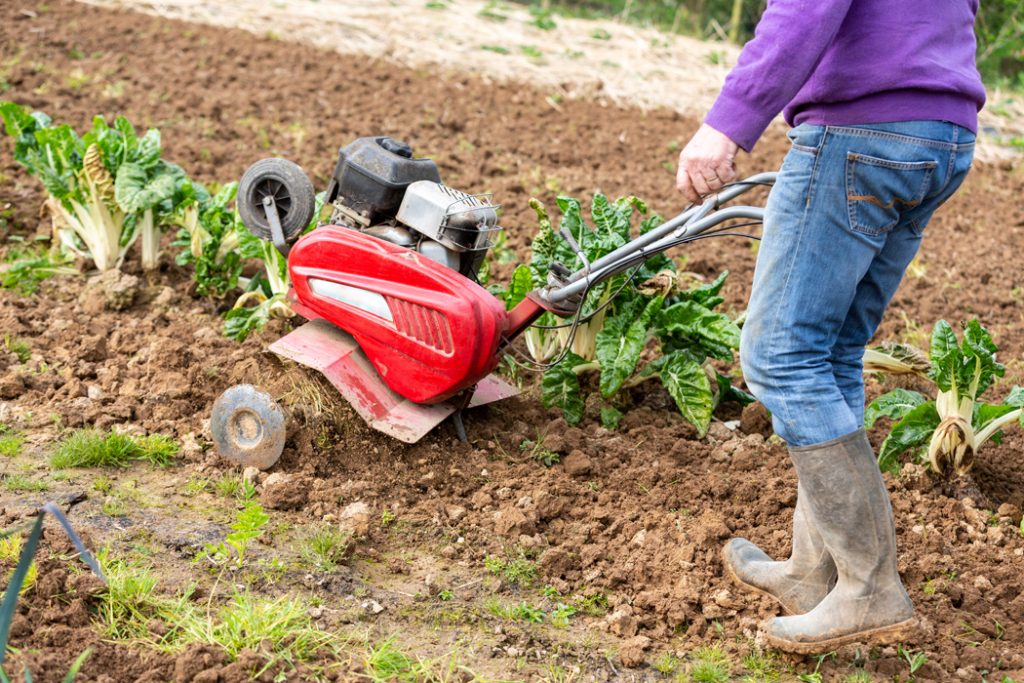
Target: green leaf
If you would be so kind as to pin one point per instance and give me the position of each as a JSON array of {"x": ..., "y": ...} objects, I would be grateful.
[
  {"x": 610, "y": 417},
  {"x": 715, "y": 333},
  {"x": 915, "y": 429},
  {"x": 621, "y": 341},
  {"x": 729, "y": 393},
  {"x": 1015, "y": 398},
  {"x": 521, "y": 285},
  {"x": 707, "y": 295},
  {"x": 984, "y": 413},
  {"x": 944, "y": 355},
  {"x": 137, "y": 188},
  {"x": 690, "y": 387},
  {"x": 980, "y": 351},
  {"x": 560, "y": 387},
  {"x": 895, "y": 405}
]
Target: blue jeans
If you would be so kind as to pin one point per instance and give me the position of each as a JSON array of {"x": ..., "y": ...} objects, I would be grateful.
[{"x": 844, "y": 220}]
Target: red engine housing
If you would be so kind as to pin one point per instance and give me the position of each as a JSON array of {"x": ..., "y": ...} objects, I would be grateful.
[{"x": 428, "y": 331}]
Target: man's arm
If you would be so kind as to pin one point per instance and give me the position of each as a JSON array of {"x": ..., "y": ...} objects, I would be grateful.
[{"x": 787, "y": 45}]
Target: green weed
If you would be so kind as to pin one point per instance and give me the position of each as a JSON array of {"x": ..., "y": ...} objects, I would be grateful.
[
  {"x": 11, "y": 441},
  {"x": 710, "y": 664},
  {"x": 19, "y": 347},
  {"x": 516, "y": 570},
  {"x": 326, "y": 548},
  {"x": 19, "y": 483},
  {"x": 93, "y": 448}
]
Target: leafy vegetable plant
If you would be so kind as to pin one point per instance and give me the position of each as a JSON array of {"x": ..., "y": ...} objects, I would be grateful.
[
  {"x": 946, "y": 431},
  {"x": 269, "y": 290},
  {"x": 666, "y": 328},
  {"x": 105, "y": 188},
  {"x": 211, "y": 234}
]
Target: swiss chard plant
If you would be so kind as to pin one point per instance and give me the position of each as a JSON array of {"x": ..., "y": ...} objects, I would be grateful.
[
  {"x": 945, "y": 431},
  {"x": 654, "y": 324},
  {"x": 266, "y": 295},
  {"x": 211, "y": 233},
  {"x": 106, "y": 188}
]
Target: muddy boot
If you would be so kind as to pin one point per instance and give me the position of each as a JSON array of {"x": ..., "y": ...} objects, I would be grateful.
[
  {"x": 799, "y": 583},
  {"x": 848, "y": 504}
]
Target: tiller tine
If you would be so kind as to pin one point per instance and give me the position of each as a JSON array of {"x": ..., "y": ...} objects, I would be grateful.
[{"x": 322, "y": 346}]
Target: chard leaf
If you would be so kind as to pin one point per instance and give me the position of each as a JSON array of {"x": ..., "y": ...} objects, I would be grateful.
[
  {"x": 621, "y": 341},
  {"x": 915, "y": 429},
  {"x": 945, "y": 355},
  {"x": 984, "y": 413},
  {"x": 609, "y": 219},
  {"x": 729, "y": 393},
  {"x": 1015, "y": 398},
  {"x": 610, "y": 417},
  {"x": 895, "y": 405},
  {"x": 707, "y": 295},
  {"x": 715, "y": 333},
  {"x": 980, "y": 351},
  {"x": 560, "y": 387},
  {"x": 690, "y": 387},
  {"x": 521, "y": 285},
  {"x": 137, "y": 188}
]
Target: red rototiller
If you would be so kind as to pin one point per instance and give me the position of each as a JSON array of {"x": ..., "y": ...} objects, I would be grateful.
[{"x": 397, "y": 322}]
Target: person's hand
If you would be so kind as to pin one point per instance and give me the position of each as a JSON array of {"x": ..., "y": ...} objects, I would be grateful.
[{"x": 706, "y": 164}]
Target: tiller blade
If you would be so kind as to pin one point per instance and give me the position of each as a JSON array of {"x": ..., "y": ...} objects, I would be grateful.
[{"x": 322, "y": 346}]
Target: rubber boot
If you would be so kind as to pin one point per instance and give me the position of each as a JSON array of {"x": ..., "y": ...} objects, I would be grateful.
[
  {"x": 849, "y": 506},
  {"x": 799, "y": 583}
]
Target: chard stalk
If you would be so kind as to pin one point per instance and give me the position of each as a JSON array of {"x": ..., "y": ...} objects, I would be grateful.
[
  {"x": 150, "y": 241},
  {"x": 995, "y": 425}
]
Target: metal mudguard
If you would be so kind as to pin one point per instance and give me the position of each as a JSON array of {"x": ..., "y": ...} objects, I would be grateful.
[{"x": 322, "y": 346}]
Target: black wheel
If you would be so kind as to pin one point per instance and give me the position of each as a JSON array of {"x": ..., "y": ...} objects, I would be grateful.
[
  {"x": 248, "y": 427},
  {"x": 292, "y": 192}
]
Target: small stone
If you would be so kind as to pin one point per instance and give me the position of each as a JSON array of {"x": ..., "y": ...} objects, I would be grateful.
[
  {"x": 355, "y": 518},
  {"x": 284, "y": 491},
  {"x": 249, "y": 475},
  {"x": 983, "y": 584},
  {"x": 639, "y": 538},
  {"x": 167, "y": 297},
  {"x": 93, "y": 392},
  {"x": 455, "y": 512},
  {"x": 372, "y": 606}
]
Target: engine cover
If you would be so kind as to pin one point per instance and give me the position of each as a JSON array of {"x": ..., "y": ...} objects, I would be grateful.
[{"x": 428, "y": 331}]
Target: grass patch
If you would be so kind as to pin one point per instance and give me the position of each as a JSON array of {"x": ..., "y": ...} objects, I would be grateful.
[
  {"x": 326, "y": 548},
  {"x": 11, "y": 441},
  {"x": 19, "y": 483},
  {"x": 280, "y": 629},
  {"x": 93, "y": 448},
  {"x": 710, "y": 665},
  {"x": 10, "y": 553}
]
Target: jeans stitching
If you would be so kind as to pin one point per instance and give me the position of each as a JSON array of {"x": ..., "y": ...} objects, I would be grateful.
[
  {"x": 910, "y": 139},
  {"x": 851, "y": 161}
]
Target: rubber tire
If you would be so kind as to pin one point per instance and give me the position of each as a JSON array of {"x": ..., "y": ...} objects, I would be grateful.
[
  {"x": 248, "y": 427},
  {"x": 295, "y": 184}
]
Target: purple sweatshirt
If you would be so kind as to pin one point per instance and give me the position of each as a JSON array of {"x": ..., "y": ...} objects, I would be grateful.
[{"x": 851, "y": 62}]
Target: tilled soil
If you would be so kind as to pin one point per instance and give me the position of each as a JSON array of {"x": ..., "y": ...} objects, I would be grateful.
[{"x": 638, "y": 514}]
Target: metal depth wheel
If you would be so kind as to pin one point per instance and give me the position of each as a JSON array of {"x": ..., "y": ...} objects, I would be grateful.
[
  {"x": 291, "y": 189},
  {"x": 248, "y": 427}
]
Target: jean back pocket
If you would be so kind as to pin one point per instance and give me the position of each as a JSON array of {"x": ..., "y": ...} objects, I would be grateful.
[{"x": 879, "y": 191}]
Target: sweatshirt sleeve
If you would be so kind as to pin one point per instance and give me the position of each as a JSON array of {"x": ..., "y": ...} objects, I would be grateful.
[{"x": 789, "y": 41}]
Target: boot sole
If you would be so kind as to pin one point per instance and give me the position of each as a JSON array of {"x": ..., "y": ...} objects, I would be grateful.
[
  {"x": 884, "y": 635},
  {"x": 752, "y": 588}
]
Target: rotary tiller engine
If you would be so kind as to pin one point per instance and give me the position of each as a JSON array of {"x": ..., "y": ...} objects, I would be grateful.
[{"x": 397, "y": 321}]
